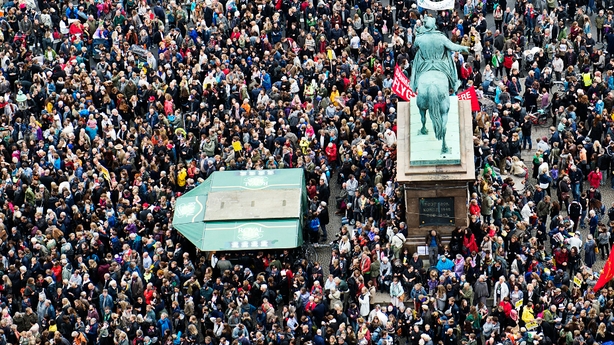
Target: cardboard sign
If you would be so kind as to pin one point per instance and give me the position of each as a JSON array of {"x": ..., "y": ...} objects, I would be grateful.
[{"x": 531, "y": 325}]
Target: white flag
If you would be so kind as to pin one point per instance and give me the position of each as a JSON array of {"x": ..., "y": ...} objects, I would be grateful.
[{"x": 436, "y": 5}]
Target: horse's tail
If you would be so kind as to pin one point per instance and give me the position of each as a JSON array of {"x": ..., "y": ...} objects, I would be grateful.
[{"x": 435, "y": 102}]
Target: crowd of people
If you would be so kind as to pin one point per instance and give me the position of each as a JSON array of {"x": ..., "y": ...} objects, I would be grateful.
[{"x": 111, "y": 111}]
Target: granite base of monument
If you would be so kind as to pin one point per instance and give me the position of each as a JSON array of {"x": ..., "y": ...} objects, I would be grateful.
[{"x": 434, "y": 184}]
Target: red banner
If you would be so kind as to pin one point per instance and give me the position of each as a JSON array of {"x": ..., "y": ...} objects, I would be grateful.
[
  {"x": 607, "y": 274},
  {"x": 469, "y": 95},
  {"x": 400, "y": 85}
]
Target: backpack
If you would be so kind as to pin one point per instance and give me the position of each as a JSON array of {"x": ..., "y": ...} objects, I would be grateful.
[
  {"x": 558, "y": 299},
  {"x": 279, "y": 299}
]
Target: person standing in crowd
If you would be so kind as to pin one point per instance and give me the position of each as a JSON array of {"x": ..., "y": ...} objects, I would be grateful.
[{"x": 433, "y": 242}]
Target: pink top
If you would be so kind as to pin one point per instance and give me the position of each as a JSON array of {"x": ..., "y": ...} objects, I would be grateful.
[{"x": 168, "y": 107}]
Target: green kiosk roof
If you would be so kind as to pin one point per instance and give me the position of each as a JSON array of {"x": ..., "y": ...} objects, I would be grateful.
[{"x": 244, "y": 210}]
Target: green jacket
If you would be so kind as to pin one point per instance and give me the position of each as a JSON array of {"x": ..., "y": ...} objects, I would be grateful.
[
  {"x": 468, "y": 295},
  {"x": 475, "y": 322},
  {"x": 312, "y": 21},
  {"x": 543, "y": 208},
  {"x": 496, "y": 61},
  {"x": 568, "y": 337},
  {"x": 118, "y": 20},
  {"x": 30, "y": 196},
  {"x": 599, "y": 22},
  {"x": 208, "y": 148},
  {"x": 548, "y": 317},
  {"x": 375, "y": 265},
  {"x": 487, "y": 205},
  {"x": 562, "y": 34},
  {"x": 52, "y": 57},
  {"x": 497, "y": 212}
]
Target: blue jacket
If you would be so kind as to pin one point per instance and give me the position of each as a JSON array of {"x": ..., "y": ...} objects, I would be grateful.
[
  {"x": 72, "y": 14},
  {"x": 445, "y": 266},
  {"x": 266, "y": 81},
  {"x": 105, "y": 302},
  {"x": 314, "y": 224},
  {"x": 318, "y": 340},
  {"x": 164, "y": 325}
]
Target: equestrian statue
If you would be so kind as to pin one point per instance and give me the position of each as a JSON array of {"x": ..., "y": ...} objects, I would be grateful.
[{"x": 434, "y": 77}]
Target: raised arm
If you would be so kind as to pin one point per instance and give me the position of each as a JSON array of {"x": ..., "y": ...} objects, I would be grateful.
[{"x": 455, "y": 47}]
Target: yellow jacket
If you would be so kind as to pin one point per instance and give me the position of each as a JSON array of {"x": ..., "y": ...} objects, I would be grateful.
[
  {"x": 333, "y": 97},
  {"x": 527, "y": 315},
  {"x": 304, "y": 144},
  {"x": 181, "y": 177}
]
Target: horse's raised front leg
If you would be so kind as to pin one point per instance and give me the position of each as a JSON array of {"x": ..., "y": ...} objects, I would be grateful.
[{"x": 423, "y": 130}]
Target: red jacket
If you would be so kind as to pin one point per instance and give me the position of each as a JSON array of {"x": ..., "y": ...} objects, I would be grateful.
[
  {"x": 474, "y": 209},
  {"x": 507, "y": 307},
  {"x": 304, "y": 5},
  {"x": 148, "y": 295},
  {"x": 365, "y": 265},
  {"x": 594, "y": 178},
  {"x": 508, "y": 61},
  {"x": 75, "y": 29},
  {"x": 469, "y": 243},
  {"x": 57, "y": 271},
  {"x": 322, "y": 46},
  {"x": 466, "y": 72},
  {"x": 560, "y": 258},
  {"x": 331, "y": 152},
  {"x": 310, "y": 306}
]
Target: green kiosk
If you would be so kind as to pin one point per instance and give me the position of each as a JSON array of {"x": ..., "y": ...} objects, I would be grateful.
[{"x": 244, "y": 211}]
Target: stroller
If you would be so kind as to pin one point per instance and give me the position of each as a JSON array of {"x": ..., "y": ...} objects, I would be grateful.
[
  {"x": 487, "y": 104},
  {"x": 139, "y": 52}
]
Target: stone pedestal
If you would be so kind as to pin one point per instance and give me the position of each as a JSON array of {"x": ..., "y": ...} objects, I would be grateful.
[{"x": 436, "y": 188}]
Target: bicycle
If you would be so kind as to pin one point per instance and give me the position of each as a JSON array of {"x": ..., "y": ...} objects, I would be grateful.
[
  {"x": 540, "y": 117},
  {"x": 558, "y": 86},
  {"x": 309, "y": 252}
]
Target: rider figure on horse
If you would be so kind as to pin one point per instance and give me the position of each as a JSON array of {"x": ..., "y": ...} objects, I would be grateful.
[{"x": 433, "y": 54}]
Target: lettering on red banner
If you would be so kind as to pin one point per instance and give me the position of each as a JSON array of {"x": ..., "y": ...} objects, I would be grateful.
[{"x": 400, "y": 85}]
